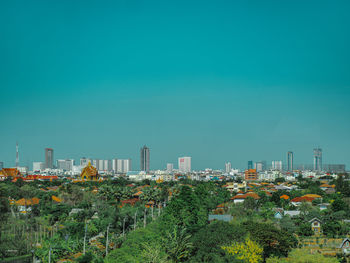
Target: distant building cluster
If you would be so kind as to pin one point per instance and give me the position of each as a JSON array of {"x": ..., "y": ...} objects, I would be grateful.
[{"x": 256, "y": 171}]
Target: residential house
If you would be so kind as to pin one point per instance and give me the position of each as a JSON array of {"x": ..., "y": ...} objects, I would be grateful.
[
  {"x": 316, "y": 225},
  {"x": 345, "y": 246}
]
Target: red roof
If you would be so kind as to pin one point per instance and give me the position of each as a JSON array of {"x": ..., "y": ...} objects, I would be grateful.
[{"x": 302, "y": 199}]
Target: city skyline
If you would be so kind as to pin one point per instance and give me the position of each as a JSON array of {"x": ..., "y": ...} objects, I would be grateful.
[
  {"x": 233, "y": 81},
  {"x": 144, "y": 158}
]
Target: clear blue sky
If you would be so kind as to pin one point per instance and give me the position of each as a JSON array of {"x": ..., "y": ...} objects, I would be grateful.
[{"x": 215, "y": 80}]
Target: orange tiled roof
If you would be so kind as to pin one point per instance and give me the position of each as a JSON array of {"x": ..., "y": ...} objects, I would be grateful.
[
  {"x": 25, "y": 202},
  {"x": 56, "y": 199},
  {"x": 286, "y": 197},
  {"x": 250, "y": 194}
]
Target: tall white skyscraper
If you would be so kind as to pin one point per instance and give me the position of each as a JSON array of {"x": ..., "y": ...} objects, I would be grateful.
[
  {"x": 169, "y": 167},
  {"x": 290, "y": 161},
  {"x": 228, "y": 167},
  {"x": 185, "y": 164},
  {"x": 107, "y": 165},
  {"x": 121, "y": 165},
  {"x": 277, "y": 165}
]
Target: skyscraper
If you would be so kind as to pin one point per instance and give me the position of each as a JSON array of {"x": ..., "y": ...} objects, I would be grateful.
[
  {"x": 250, "y": 165},
  {"x": 228, "y": 167},
  {"x": 260, "y": 166},
  {"x": 17, "y": 155},
  {"x": 169, "y": 167},
  {"x": 185, "y": 164},
  {"x": 290, "y": 160},
  {"x": 49, "y": 158},
  {"x": 144, "y": 152},
  {"x": 317, "y": 159},
  {"x": 277, "y": 165}
]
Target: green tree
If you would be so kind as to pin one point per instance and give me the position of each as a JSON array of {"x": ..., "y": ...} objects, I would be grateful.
[
  {"x": 207, "y": 242},
  {"x": 178, "y": 244},
  {"x": 274, "y": 241}
]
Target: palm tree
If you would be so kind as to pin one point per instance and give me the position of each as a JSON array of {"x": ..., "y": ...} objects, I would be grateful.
[{"x": 178, "y": 244}]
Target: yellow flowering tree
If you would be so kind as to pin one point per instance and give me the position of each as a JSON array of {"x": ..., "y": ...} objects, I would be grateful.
[{"x": 247, "y": 251}]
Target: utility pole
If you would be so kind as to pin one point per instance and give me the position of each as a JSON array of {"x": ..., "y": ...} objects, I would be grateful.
[
  {"x": 144, "y": 219},
  {"x": 107, "y": 241},
  {"x": 135, "y": 220},
  {"x": 152, "y": 211},
  {"x": 85, "y": 238},
  {"x": 124, "y": 226},
  {"x": 50, "y": 255}
]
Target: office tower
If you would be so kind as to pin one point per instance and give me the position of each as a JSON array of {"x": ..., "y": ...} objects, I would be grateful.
[
  {"x": 107, "y": 165},
  {"x": 100, "y": 165},
  {"x": 1, "y": 165},
  {"x": 185, "y": 164},
  {"x": 260, "y": 166},
  {"x": 277, "y": 165},
  {"x": 228, "y": 167},
  {"x": 126, "y": 165},
  {"x": 317, "y": 159},
  {"x": 114, "y": 165},
  {"x": 290, "y": 160},
  {"x": 84, "y": 161},
  {"x": 121, "y": 165},
  {"x": 17, "y": 155},
  {"x": 65, "y": 165},
  {"x": 145, "y": 158},
  {"x": 250, "y": 165},
  {"x": 49, "y": 158},
  {"x": 169, "y": 167},
  {"x": 38, "y": 166}
]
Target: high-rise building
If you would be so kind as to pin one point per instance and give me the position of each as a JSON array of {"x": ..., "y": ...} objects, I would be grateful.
[
  {"x": 260, "y": 166},
  {"x": 317, "y": 159},
  {"x": 290, "y": 160},
  {"x": 1, "y": 165},
  {"x": 49, "y": 158},
  {"x": 144, "y": 152},
  {"x": 126, "y": 165},
  {"x": 250, "y": 165},
  {"x": 38, "y": 166},
  {"x": 107, "y": 165},
  {"x": 84, "y": 161},
  {"x": 228, "y": 167},
  {"x": 121, "y": 165},
  {"x": 169, "y": 167},
  {"x": 65, "y": 165},
  {"x": 185, "y": 164},
  {"x": 277, "y": 165},
  {"x": 101, "y": 165},
  {"x": 17, "y": 155}
]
